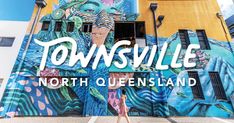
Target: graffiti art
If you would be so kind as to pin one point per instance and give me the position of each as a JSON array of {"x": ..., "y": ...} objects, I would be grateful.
[{"x": 94, "y": 22}]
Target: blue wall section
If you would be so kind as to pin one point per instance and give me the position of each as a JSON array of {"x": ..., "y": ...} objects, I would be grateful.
[{"x": 16, "y": 10}]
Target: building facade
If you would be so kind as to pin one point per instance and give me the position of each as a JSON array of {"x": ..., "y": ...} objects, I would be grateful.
[
  {"x": 14, "y": 20},
  {"x": 146, "y": 23},
  {"x": 227, "y": 9},
  {"x": 230, "y": 24}
]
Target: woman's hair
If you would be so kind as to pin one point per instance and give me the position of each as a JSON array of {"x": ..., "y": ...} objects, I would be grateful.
[{"x": 123, "y": 92}]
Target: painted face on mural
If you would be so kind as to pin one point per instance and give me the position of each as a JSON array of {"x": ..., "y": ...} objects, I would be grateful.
[
  {"x": 94, "y": 7},
  {"x": 102, "y": 13},
  {"x": 101, "y": 28},
  {"x": 99, "y": 35}
]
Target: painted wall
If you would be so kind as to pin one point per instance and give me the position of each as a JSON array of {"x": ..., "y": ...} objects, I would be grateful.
[
  {"x": 47, "y": 10},
  {"x": 14, "y": 19},
  {"x": 195, "y": 15},
  {"x": 23, "y": 96},
  {"x": 8, "y": 55},
  {"x": 185, "y": 14}
]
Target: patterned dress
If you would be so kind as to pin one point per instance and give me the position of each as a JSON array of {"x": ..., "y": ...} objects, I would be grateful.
[{"x": 122, "y": 106}]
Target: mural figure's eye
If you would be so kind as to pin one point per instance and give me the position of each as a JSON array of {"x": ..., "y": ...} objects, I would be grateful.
[
  {"x": 89, "y": 11},
  {"x": 113, "y": 11},
  {"x": 90, "y": 7}
]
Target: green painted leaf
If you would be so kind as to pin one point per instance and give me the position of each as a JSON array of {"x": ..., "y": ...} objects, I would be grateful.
[
  {"x": 222, "y": 107},
  {"x": 82, "y": 71},
  {"x": 95, "y": 93},
  {"x": 65, "y": 93},
  {"x": 58, "y": 14},
  {"x": 181, "y": 95},
  {"x": 154, "y": 89}
]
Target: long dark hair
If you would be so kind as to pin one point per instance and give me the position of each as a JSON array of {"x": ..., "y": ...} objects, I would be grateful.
[{"x": 123, "y": 92}]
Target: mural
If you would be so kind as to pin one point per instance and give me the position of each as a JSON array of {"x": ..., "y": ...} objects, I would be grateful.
[{"x": 23, "y": 96}]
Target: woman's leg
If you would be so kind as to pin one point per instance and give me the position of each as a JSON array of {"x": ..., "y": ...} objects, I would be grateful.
[
  {"x": 119, "y": 117},
  {"x": 127, "y": 118}
]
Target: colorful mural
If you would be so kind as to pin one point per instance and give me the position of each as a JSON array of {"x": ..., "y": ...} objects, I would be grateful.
[{"x": 23, "y": 96}]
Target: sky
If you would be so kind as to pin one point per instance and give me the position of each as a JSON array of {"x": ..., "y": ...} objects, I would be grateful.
[
  {"x": 16, "y": 10},
  {"x": 227, "y": 7}
]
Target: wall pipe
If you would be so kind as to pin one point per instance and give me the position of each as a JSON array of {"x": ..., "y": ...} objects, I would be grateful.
[
  {"x": 225, "y": 31},
  {"x": 41, "y": 4}
]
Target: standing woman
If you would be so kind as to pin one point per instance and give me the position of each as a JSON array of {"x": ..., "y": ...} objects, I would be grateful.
[{"x": 123, "y": 107}]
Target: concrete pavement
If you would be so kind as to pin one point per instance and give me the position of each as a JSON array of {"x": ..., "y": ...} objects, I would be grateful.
[{"x": 114, "y": 119}]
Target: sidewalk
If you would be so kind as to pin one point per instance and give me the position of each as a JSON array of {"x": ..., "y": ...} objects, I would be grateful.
[{"x": 114, "y": 119}]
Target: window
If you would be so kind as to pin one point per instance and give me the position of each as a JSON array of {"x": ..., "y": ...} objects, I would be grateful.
[
  {"x": 203, "y": 40},
  {"x": 6, "y": 41},
  {"x": 197, "y": 89},
  {"x": 45, "y": 25},
  {"x": 58, "y": 26},
  {"x": 140, "y": 29},
  {"x": 231, "y": 27},
  {"x": 124, "y": 31},
  {"x": 132, "y": 31},
  {"x": 140, "y": 34},
  {"x": 232, "y": 34},
  {"x": 217, "y": 86},
  {"x": 87, "y": 27},
  {"x": 70, "y": 27},
  {"x": 184, "y": 38}
]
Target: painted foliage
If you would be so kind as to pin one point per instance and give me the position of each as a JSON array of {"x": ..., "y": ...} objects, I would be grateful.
[{"x": 23, "y": 96}]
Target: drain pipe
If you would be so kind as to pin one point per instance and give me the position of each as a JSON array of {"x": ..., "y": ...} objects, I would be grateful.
[
  {"x": 219, "y": 16},
  {"x": 153, "y": 8},
  {"x": 41, "y": 4}
]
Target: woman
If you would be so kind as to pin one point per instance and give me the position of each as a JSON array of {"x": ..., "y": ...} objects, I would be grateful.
[{"x": 123, "y": 107}]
